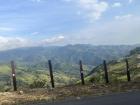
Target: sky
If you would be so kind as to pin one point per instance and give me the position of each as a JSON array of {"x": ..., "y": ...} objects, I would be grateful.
[{"x": 28, "y": 23}]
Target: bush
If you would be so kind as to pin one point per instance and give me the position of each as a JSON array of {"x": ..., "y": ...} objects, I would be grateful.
[
  {"x": 5, "y": 88},
  {"x": 38, "y": 84}
]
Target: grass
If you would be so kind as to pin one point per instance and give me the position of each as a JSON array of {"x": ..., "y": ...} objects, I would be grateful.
[
  {"x": 25, "y": 77},
  {"x": 117, "y": 71},
  {"x": 5, "y": 69}
]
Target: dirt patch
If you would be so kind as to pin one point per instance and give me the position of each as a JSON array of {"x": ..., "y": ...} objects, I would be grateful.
[{"x": 61, "y": 93}]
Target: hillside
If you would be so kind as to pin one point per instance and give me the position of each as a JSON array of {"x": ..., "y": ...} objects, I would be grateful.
[
  {"x": 117, "y": 69},
  {"x": 32, "y": 79},
  {"x": 32, "y": 63},
  {"x": 65, "y": 56}
]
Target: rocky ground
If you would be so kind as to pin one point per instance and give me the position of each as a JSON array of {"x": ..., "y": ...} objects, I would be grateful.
[{"x": 61, "y": 93}]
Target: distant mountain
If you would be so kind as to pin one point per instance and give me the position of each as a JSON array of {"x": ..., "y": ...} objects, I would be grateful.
[
  {"x": 91, "y": 55},
  {"x": 32, "y": 67},
  {"x": 64, "y": 58}
]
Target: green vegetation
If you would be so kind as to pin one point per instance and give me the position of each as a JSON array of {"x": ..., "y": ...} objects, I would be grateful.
[
  {"x": 117, "y": 69},
  {"x": 32, "y": 78},
  {"x": 36, "y": 75},
  {"x": 32, "y": 65},
  {"x": 65, "y": 56}
]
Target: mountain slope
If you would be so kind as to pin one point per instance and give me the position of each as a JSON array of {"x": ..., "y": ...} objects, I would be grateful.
[
  {"x": 32, "y": 67},
  {"x": 38, "y": 78},
  {"x": 117, "y": 69},
  {"x": 91, "y": 55}
]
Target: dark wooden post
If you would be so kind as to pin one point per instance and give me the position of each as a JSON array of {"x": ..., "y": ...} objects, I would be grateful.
[
  {"x": 51, "y": 73},
  {"x": 81, "y": 73},
  {"x": 14, "y": 75},
  {"x": 127, "y": 70},
  {"x": 106, "y": 71}
]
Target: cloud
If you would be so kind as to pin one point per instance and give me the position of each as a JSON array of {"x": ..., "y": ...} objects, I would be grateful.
[
  {"x": 110, "y": 33},
  {"x": 35, "y": 33},
  {"x": 93, "y": 8},
  {"x": 53, "y": 40},
  {"x": 17, "y": 42},
  {"x": 130, "y": 1},
  {"x": 10, "y": 43},
  {"x": 124, "y": 17},
  {"x": 36, "y": 0},
  {"x": 6, "y": 29},
  {"x": 117, "y": 4}
]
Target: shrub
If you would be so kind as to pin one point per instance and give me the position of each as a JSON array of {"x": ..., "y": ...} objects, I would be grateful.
[{"x": 38, "y": 83}]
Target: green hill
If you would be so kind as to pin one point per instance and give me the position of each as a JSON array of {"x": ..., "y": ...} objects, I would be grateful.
[
  {"x": 32, "y": 63},
  {"x": 117, "y": 69},
  {"x": 37, "y": 78},
  {"x": 69, "y": 54},
  {"x": 64, "y": 58}
]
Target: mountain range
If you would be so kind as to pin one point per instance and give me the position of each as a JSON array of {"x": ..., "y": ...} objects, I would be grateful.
[
  {"x": 91, "y": 55},
  {"x": 32, "y": 62}
]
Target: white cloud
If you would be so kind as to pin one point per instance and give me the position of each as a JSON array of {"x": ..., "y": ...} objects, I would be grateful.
[
  {"x": 38, "y": 1},
  {"x": 35, "y": 33},
  {"x": 130, "y": 1},
  {"x": 110, "y": 33},
  {"x": 117, "y": 4},
  {"x": 9, "y": 42},
  {"x": 67, "y": 0},
  {"x": 124, "y": 17},
  {"x": 53, "y": 40},
  {"x": 17, "y": 42},
  {"x": 93, "y": 8},
  {"x": 6, "y": 29}
]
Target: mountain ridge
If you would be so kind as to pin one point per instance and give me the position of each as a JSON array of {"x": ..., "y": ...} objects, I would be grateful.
[{"x": 68, "y": 53}]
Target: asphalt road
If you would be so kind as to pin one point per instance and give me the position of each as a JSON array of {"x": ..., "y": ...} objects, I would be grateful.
[{"x": 131, "y": 98}]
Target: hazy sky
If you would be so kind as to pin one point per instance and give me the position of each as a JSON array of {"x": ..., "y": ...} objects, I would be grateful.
[{"x": 58, "y": 22}]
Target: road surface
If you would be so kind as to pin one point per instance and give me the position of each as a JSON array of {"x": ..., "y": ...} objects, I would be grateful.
[{"x": 131, "y": 98}]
